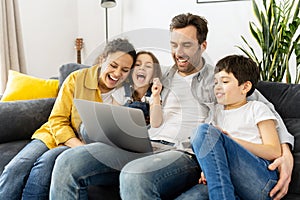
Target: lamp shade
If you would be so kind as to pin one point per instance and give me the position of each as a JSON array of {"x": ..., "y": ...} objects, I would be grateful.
[{"x": 108, "y": 3}]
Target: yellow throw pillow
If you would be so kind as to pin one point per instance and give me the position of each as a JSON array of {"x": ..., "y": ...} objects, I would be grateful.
[{"x": 24, "y": 87}]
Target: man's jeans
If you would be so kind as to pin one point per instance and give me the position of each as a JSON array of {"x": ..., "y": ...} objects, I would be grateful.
[
  {"x": 229, "y": 168},
  {"x": 160, "y": 176},
  {"x": 198, "y": 192},
  {"x": 29, "y": 172},
  {"x": 100, "y": 164}
]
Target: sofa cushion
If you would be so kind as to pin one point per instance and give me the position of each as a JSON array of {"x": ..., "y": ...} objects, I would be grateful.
[
  {"x": 23, "y": 87},
  {"x": 285, "y": 97},
  {"x": 67, "y": 69},
  {"x": 19, "y": 119},
  {"x": 9, "y": 150}
]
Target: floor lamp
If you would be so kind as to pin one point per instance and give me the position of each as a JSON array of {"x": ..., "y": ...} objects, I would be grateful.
[{"x": 107, "y": 4}]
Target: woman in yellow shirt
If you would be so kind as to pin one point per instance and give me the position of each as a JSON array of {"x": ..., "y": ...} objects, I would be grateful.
[{"x": 28, "y": 174}]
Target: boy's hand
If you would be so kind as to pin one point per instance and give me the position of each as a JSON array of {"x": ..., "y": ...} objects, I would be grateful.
[{"x": 223, "y": 131}]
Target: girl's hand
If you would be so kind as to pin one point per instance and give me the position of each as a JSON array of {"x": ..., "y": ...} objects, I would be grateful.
[{"x": 156, "y": 87}]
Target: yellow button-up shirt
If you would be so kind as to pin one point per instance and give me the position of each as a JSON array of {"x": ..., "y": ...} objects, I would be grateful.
[{"x": 64, "y": 120}]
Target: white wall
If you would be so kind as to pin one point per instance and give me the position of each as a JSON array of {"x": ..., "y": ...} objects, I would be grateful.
[
  {"x": 226, "y": 21},
  {"x": 50, "y": 28}
]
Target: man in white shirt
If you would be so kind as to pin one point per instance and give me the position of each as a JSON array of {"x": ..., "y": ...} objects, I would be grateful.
[{"x": 187, "y": 94}]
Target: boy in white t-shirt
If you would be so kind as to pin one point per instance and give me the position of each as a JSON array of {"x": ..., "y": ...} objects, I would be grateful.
[{"x": 235, "y": 149}]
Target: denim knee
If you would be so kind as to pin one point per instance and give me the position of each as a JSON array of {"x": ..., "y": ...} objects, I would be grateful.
[
  {"x": 139, "y": 181},
  {"x": 199, "y": 134},
  {"x": 205, "y": 138},
  {"x": 64, "y": 160},
  {"x": 130, "y": 177},
  {"x": 62, "y": 172}
]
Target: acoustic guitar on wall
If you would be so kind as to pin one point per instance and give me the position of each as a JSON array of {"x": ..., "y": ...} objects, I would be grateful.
[{"x": 79, "y": 46}]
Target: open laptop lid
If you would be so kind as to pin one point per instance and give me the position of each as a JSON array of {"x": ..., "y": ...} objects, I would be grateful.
[{"x": 118, "y": 126}]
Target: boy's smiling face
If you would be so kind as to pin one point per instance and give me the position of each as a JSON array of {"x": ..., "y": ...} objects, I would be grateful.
[{"x": 228, "y": 91}]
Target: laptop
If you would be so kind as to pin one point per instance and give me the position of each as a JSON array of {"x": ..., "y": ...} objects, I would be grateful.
[{"x": 118, "y": 126}]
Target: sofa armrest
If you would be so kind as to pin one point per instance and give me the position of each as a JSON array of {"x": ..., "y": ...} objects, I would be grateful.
[{"x": 19, "y": 119}]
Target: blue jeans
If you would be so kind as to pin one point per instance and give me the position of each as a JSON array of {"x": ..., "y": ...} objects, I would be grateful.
[
  {"x": 159, "y": 176},
  {"x": 92, "y": 164},
  {"x": 229, "y": 168},
  {"x": 28, "y": 173},
  {"x": 38, "y": 183},
  {"x": 198, "y": 192}
]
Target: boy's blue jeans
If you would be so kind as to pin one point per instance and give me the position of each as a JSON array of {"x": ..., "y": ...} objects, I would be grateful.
[{"x": 229, "y": 168}]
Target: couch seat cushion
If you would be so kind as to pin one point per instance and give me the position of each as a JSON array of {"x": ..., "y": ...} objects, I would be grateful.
[{"x": 9, "y": 150}]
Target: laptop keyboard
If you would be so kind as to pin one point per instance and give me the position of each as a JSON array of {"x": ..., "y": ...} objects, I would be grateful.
[{"x": 161, "y": 145}]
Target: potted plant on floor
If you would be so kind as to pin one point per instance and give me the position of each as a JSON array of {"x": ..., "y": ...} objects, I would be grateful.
[{"x": 278, "y": 37}]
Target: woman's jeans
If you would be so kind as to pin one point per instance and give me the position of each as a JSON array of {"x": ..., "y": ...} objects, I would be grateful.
[
  {"x": 229, "y": 168},
  {"x": 29, "y": 172}
]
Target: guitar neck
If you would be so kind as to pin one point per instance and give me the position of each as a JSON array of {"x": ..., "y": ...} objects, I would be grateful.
[
  {"x": 78, "y": 46},
  {"x": 79, "y": 56}
]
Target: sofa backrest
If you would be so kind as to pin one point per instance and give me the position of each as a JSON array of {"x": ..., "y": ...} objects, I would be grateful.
[
  {"x": 19, "y": 119},
  {"x": 286, "y": 99},
  {"x": 67, "y": 69}
]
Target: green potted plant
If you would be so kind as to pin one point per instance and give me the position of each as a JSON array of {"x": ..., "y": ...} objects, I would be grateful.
[{"x": 278, "y": 37}]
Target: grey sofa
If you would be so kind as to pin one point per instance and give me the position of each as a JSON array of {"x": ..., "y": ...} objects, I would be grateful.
[{"x": 19, "y": 119}]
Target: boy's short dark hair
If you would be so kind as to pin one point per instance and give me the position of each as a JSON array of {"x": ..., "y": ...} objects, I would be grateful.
[{"x": 243, "y": 68}]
